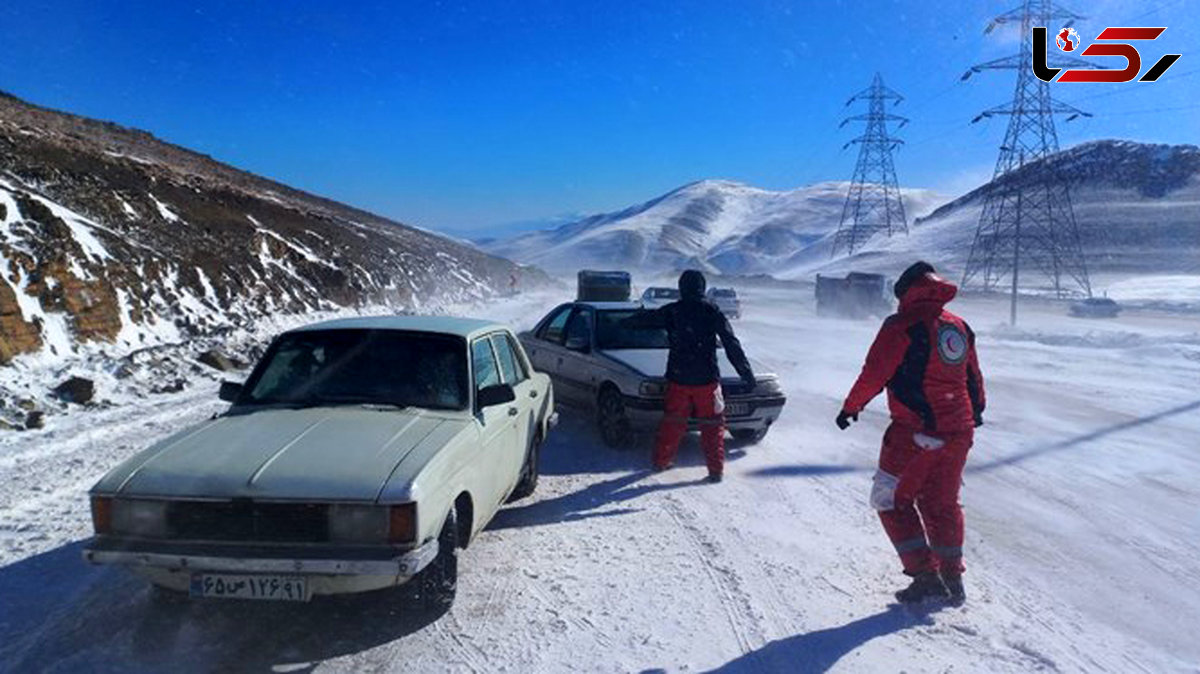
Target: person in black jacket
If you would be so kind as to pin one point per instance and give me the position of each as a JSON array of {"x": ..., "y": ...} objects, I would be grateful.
[{"x": 693, "y": 325}]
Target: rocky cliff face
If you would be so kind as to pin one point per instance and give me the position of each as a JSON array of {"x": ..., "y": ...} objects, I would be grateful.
[{"x": 110, "y": 236}]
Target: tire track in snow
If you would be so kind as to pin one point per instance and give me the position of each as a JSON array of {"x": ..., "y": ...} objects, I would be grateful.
[
  {"x": 448, "y": 630},
  {"x": 743, "y": 621}
]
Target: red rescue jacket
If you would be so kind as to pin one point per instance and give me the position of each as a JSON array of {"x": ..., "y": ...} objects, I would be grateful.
[{"x": 925, "y": 356}]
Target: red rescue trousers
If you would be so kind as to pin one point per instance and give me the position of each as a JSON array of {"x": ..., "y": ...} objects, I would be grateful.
[
  {"x": 916, "y": 494},
  {"x": 707, "y": 407}
]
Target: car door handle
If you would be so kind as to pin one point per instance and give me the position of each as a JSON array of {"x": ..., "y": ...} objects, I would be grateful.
[{"x": 512, "y": 411}]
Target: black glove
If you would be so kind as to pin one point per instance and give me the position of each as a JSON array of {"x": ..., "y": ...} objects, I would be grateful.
[
  {"x": 844, "y": 418},
  {"x": 978, "y": 420}
]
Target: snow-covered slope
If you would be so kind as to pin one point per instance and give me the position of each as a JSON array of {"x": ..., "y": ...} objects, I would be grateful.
[
  {"x": 110, "y": 238},
  {"x": 718, "y": 225},
  {"x": 1137, "y": 206}
]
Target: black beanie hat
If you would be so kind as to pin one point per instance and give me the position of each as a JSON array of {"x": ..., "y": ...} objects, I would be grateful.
[
  {"x": 692, "y": 284},
  {"x": 910, "y": 276}
]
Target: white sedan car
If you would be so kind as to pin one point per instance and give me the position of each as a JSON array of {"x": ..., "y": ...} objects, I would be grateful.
[
  {"x": 598, "y": 364},
  {"x": 657, "y": 297},
  {"x": 360, "y": 454},
  {"x": 726, "y": 300}
]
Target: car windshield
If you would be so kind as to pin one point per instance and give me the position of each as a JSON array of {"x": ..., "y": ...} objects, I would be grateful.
[
  {"x": 611, "y": 334},
  {"x": 386, "y": 367},
  {"x": 721, "y": 292}
]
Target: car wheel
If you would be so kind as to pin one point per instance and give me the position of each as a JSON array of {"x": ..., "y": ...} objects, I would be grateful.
[
  {"x": 614, "y": 424},
  {"x": 437, "y": 583},
  {"x": 750, "y": 435},
  {"x": 529, "y": 473}
]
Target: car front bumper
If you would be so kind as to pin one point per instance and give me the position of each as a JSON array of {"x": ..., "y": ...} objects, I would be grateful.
[
  {"x": 646, "y": 413},
  {"x": 218, "y": 558}
]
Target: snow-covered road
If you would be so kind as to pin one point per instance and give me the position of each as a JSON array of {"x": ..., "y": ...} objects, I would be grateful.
[{"x": 1083, "y": 543}]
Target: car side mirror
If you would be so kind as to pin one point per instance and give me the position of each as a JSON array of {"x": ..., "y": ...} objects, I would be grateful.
[
  {"x": 578, "y": 343},
  {"x": 230, "y": 391},
  {"x": 491, "y": 396}
]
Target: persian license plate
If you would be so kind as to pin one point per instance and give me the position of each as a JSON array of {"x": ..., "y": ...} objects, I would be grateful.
[
  {"x": 737, "y": 409},
  {"x": 238, "y": 586}
]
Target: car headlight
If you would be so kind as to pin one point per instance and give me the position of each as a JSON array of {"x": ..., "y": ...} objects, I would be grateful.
[
  {"x": 652, "y": 389},
  {"x": 140, "y": 518},
  {"x": 769, "y": 386},
  {"x": 349, "y": 523},
  {"x": 372, "y": 524}
]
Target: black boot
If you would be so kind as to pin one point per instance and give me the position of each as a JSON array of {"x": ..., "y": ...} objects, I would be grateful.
[
  {"x": 954, "y": 586},
  {"x": 926, "y": 585}
]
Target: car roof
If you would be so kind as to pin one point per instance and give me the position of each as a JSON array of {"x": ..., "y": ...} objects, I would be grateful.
[{"x": 448, "y": 325}]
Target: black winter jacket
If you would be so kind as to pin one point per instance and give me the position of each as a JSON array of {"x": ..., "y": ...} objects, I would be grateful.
[{"x": 693, "y": 325}]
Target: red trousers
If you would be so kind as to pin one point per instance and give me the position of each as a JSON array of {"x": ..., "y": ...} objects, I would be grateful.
[
  {"x": 707, "y": 407},
  {"x": 916, "y": 494}
]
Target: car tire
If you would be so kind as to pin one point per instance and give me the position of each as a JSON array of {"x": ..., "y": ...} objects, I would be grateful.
[
  {"x": 615, "y": 429},
  {"x": 748, "y": 435},
  {"x": 529, "y": 472},
  {"x": 436, "y": 584}
]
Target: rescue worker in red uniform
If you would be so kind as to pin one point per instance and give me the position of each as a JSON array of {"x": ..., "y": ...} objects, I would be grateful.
[
  {"x": 925, "y": 357},
  {"x": 693, "y": 325}
]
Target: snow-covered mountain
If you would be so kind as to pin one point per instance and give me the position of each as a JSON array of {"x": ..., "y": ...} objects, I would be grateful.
[
  {"x": 1137, "y": 206},
  {"x": 718, "y": 225},
  {"x": 110, "y": 236}
]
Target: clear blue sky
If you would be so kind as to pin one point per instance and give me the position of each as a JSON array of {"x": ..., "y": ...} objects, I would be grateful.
[{"x": 464, "y": 115}]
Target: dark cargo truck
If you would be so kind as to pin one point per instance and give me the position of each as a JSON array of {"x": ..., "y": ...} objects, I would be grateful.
[
  {"x": 604, "y": 286},
  {"x": 857, "y": 295}
]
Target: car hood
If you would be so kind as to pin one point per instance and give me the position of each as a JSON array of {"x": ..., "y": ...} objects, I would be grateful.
[
  {"x": 335, "y": 454},
  {"x": 653, "y": 362}
]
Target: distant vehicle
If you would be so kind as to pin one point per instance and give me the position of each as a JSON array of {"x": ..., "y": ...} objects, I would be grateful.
[
  {"x": 726, "y": 300},
  {"x": 598, "y": 364},
  {"x": 857, "y": 295},
  {"x": 1095, "y": 307},
  {"x": 360, "y": 454},
  {"x": 604, "y": 286},
  {"x": 657, "y": 297}
]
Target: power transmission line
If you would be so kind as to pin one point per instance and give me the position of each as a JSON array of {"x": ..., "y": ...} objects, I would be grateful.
[
  {"x": 1028, "y": 221},
  {"x": 873, "y": 203}
]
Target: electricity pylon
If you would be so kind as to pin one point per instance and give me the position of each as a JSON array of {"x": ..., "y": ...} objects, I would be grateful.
[
  {"x": 873, "y": 203},
  {"x": 1027, "y": 219}
]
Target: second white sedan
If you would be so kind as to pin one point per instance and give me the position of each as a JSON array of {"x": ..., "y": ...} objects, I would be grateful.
[{"x": 598, "y": 364}]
